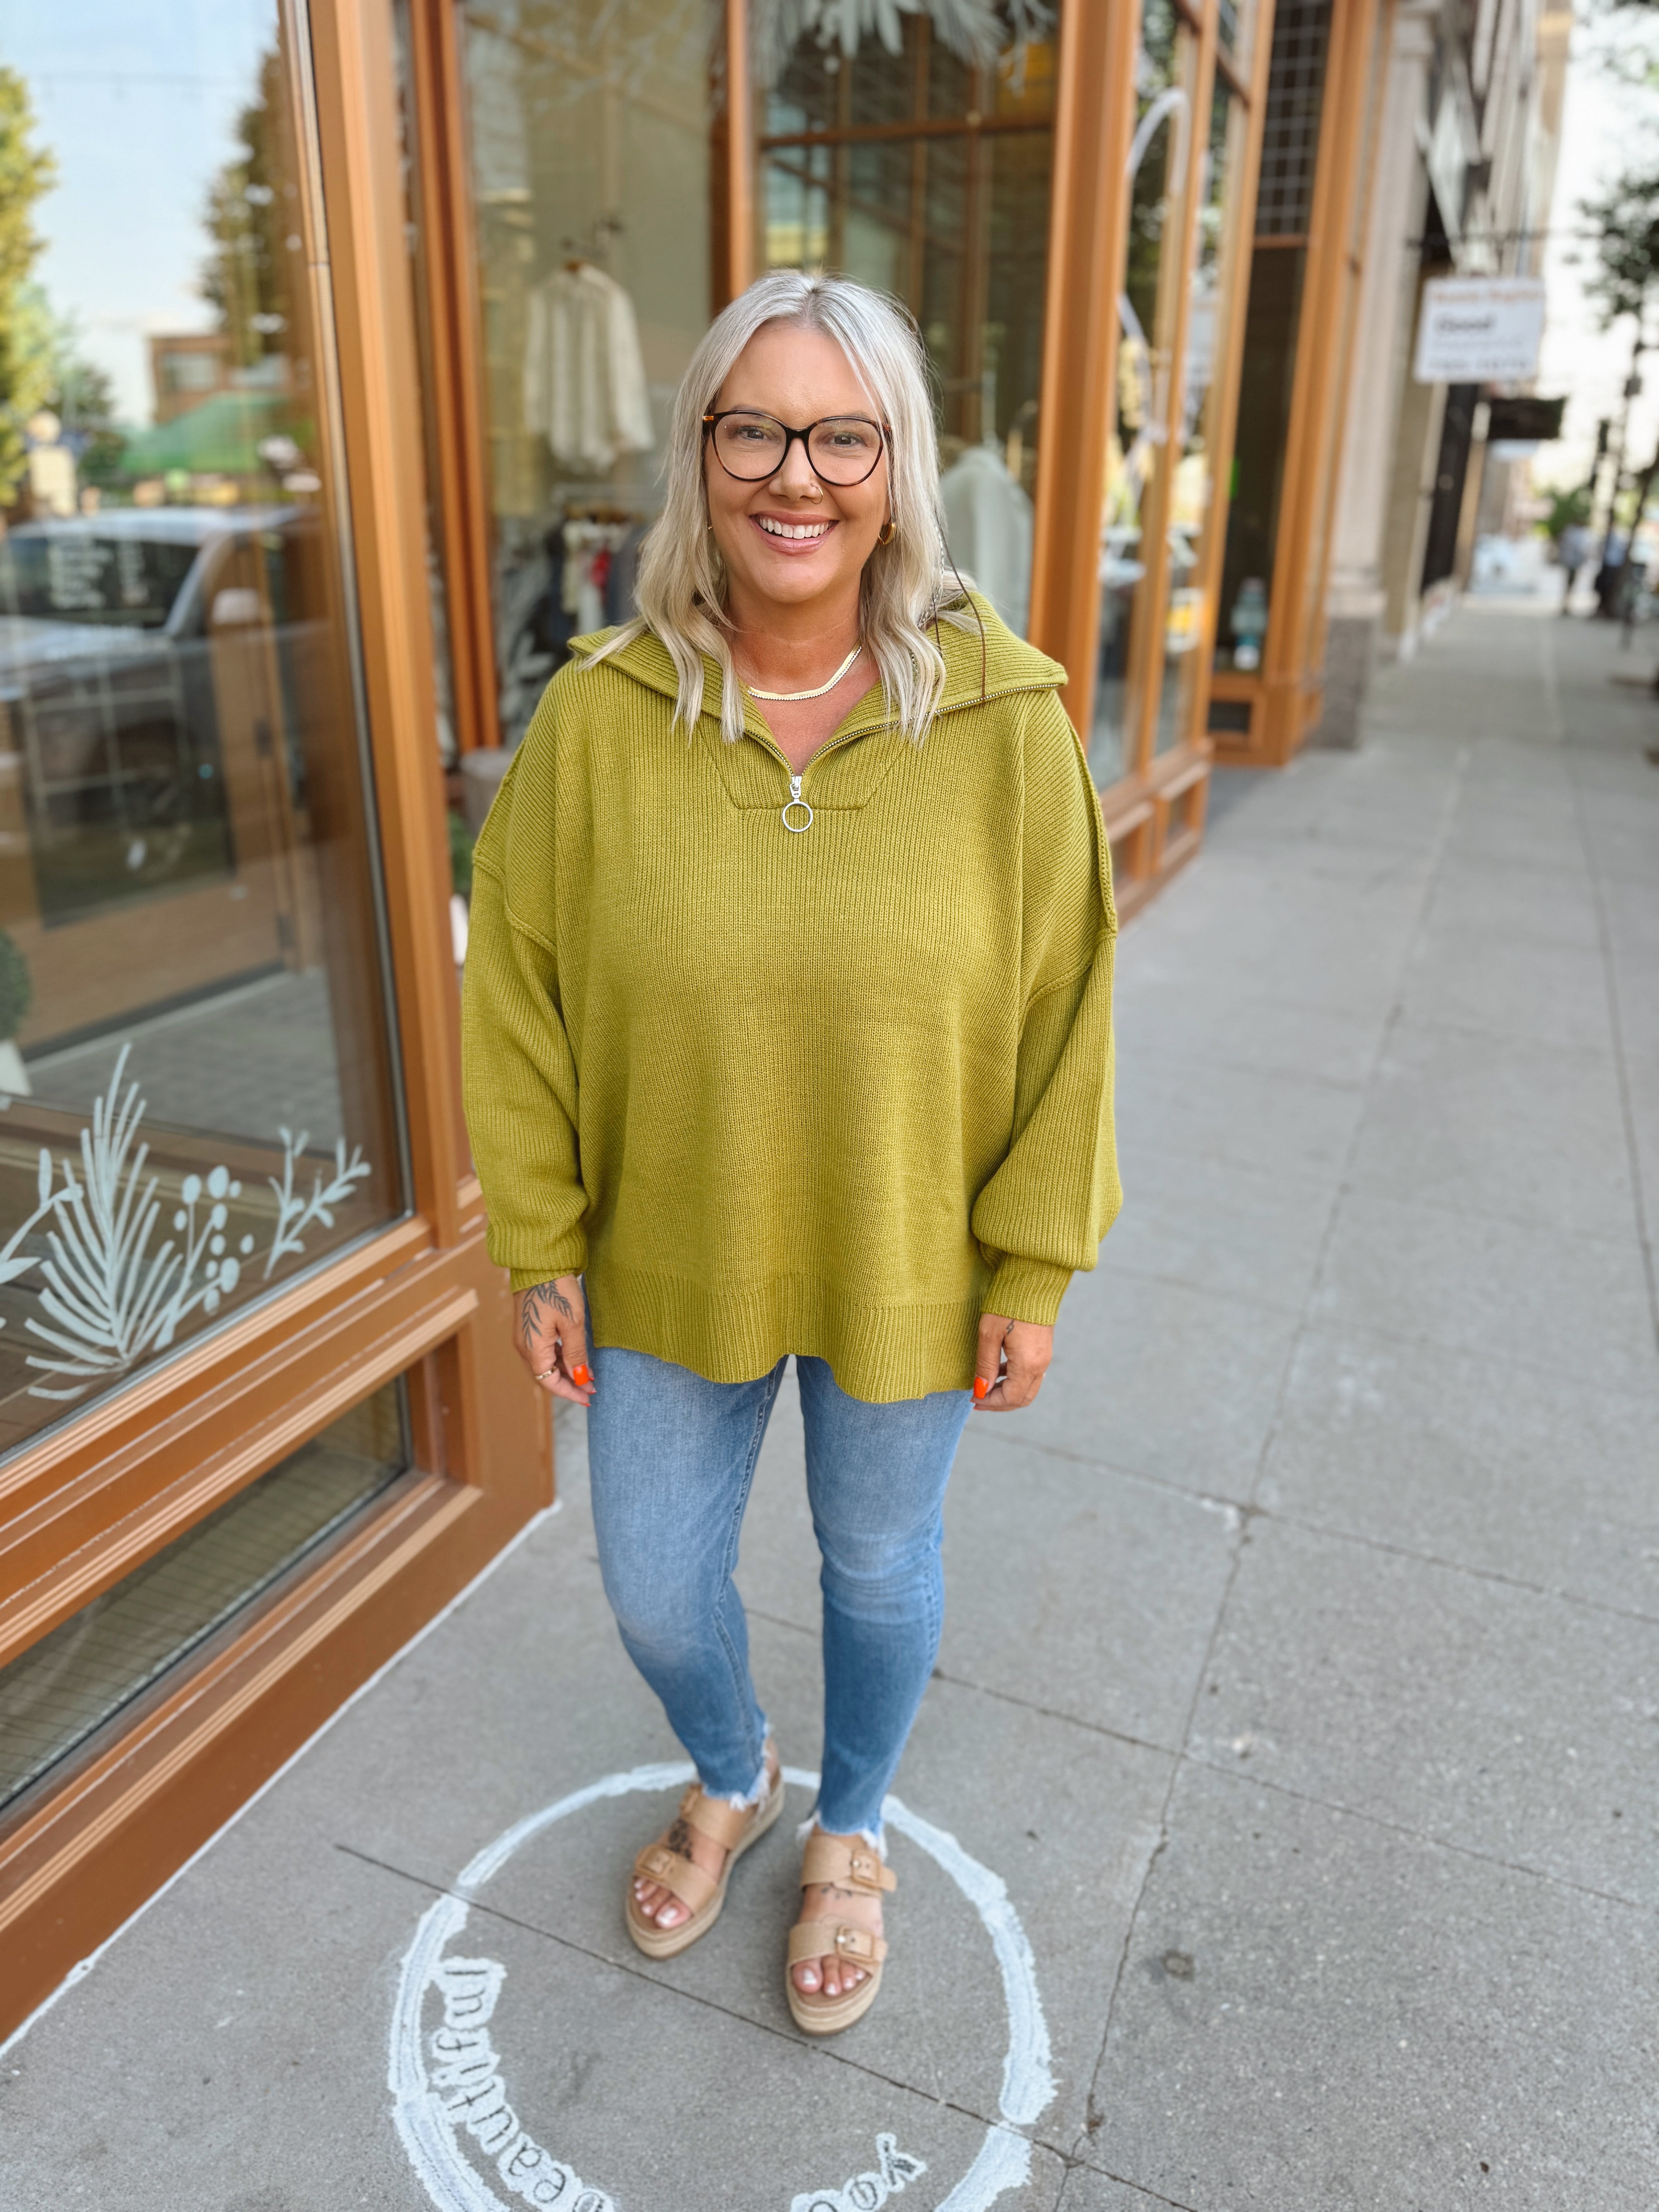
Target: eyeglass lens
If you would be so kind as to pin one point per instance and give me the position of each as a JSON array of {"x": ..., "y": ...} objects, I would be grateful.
[{"x": 843, "y": 450}]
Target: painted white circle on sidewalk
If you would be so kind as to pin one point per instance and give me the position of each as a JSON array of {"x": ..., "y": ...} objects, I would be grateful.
[{"x": 447, "y": 2083}]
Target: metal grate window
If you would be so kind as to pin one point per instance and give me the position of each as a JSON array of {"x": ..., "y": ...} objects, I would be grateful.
[
  {"x": 1290, "y": 141},
  {"x": 81, "y": 1674}
]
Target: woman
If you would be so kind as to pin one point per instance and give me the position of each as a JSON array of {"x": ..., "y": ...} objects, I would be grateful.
[{"x": 788, "y": 1031}]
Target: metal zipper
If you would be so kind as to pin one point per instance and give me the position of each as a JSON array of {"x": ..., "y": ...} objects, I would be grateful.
[{"x": 794, "y": 799}]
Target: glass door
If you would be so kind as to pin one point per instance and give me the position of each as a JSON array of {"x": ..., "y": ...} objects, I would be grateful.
[{"x": 197, "y": 1092}]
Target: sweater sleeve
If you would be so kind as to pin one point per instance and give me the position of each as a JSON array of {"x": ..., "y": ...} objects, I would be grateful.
[
  {"x": 519, "y": 1072},
  {"x": 1043, "y": 1212}
]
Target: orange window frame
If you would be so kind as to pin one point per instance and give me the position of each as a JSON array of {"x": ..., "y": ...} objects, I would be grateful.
[{"x": 1154, "y": 813}]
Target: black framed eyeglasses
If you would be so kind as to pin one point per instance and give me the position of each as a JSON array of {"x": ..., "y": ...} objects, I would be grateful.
[{"x": 841, "y": 449}]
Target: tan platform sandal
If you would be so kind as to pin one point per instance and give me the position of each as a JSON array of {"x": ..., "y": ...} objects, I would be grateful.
[
  {"x": 849, "y": 1866},
  {"x": 734, "y": 1828}
]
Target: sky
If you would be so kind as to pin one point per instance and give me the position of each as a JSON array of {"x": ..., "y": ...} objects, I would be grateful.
[
  {"x": 1606, "y": 128},
  {"x": 138, "y": 103}
]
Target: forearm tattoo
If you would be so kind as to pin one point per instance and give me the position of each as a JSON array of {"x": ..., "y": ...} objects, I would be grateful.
[{"x": 538, "y": 1312}]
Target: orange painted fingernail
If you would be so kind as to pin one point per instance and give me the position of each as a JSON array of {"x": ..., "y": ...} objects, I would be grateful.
[
  {"x": 980, "y": 1386},
  {"x": 581, "y": 1376}
]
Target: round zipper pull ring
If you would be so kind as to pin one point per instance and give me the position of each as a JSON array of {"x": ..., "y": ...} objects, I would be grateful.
[{"x": 794, "y": 800}]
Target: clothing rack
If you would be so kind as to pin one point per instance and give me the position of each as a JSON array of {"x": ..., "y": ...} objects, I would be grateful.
[
  {"x": 588, "y": 510},
  {"x": 597, "y": 247}
]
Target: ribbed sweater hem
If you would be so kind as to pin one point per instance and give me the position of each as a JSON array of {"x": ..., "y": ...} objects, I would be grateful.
[{"x": 736, "y": 1333}]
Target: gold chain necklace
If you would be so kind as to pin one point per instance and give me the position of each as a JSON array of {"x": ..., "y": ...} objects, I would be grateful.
[{"x": 788, "y": 698}]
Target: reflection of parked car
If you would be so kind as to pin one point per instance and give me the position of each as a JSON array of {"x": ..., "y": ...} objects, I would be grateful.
[
  {"x": 165, "y": 681},
  {"x": 106, "y": 681}
]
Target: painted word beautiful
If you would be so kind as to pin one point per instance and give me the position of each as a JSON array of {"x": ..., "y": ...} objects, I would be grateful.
[{"x": 467, "y": 2090}]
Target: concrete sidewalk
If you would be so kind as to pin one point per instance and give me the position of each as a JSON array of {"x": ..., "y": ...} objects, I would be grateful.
[{"x": 1299, "y": 1684}]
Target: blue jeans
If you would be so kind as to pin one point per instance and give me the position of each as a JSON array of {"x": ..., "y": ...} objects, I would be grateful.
[{"x": 671, "y": 1457}]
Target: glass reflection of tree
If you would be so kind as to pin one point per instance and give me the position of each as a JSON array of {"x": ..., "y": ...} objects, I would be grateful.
[
  {"x": 978, "y": 32},
  {"x": 253, "y": 220},
  {"x": 248, "y": 218}
]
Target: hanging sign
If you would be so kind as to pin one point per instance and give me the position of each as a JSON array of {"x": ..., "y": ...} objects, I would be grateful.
[
  {"x": 1527, "y": 416},
  {"x": 1480, "y": 330}
]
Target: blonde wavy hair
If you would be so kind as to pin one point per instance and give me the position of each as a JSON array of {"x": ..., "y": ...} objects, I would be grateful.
[{"x": 908, "y": 585}]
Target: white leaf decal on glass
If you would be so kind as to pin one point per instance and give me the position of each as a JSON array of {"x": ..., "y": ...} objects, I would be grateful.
[
  {"x": 108, "y": 1301},
  {"x": 295, "y": 1215}
]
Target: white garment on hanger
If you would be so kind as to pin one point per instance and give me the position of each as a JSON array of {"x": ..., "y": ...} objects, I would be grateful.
[
  {"x": 584, "y": 379},
  {"x": 987, "y": 522}
]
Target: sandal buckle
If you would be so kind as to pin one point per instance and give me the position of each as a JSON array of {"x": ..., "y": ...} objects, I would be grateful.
[
  {"x": 865, "y": 1869},
  {"x": 851, "y": 1942}
]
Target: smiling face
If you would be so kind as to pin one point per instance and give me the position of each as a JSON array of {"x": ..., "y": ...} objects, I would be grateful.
[{"x": 790, "y": 542}]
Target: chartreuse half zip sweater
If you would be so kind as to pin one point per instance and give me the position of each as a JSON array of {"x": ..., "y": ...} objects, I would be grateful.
[{"x": 836, "y": 1092}]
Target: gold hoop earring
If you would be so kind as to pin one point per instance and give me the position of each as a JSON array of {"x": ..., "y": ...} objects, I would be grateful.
[{"x": 887, "y": 533}]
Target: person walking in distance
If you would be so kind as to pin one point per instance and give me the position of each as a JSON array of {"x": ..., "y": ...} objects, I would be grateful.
[
  {"x": 1573, "y": 547},
  {"x": 787, "y": 1022}
]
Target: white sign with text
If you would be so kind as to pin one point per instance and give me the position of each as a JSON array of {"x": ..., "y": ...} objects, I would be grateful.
[{"x": 1480, "y": 330}]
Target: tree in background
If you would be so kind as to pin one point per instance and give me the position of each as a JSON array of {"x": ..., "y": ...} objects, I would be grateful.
[
  {"x": 1625, "y": 245},
  {"x": 1565, "y": 508},
  {"x": 1625, "y": 282},
  {"x": 248, "y": 217},
  {"x": 27, "y": 173},
  {"x": 75, "y": 390},
  {"x": 1635, "y": 59}
]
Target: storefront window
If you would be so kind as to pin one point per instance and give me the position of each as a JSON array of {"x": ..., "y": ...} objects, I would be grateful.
[
  {"x": 917, "y": 157},
  {"x": 93, "y": 1665},
  {"x": 196, "y": 1096},
  {"x": 1192, "y": 500},
  {"x": 1137, "y": 502},
  {"x": 593, "y": 181},
  {"x": 1290, "y": 153}
]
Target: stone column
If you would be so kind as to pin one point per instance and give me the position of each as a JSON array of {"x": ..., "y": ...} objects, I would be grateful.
[
  {"x": 1384, "y": 330},
  {"x": 1411, "y": 497}
]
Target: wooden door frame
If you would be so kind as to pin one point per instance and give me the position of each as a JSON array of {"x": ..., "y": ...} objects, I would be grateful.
[
  {"x": 84, "y": 1506},
  {"x": 742, "y": 254},
  {"x": 1284, "y": 698},
  {"x": 1088, "y": 219},
  {"x": 1371, "y": 95},
  {"x": 1155, "y": 814},
  {"x": 442, "y": 187}
]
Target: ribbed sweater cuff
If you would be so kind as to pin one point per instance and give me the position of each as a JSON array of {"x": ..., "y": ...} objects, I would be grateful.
[
  {"x": 1027, "y": 1289},
  {"x": 549, "y": 1271}
]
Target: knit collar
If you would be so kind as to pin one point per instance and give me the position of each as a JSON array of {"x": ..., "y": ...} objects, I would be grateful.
[{"x": 979, "y": 665}]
